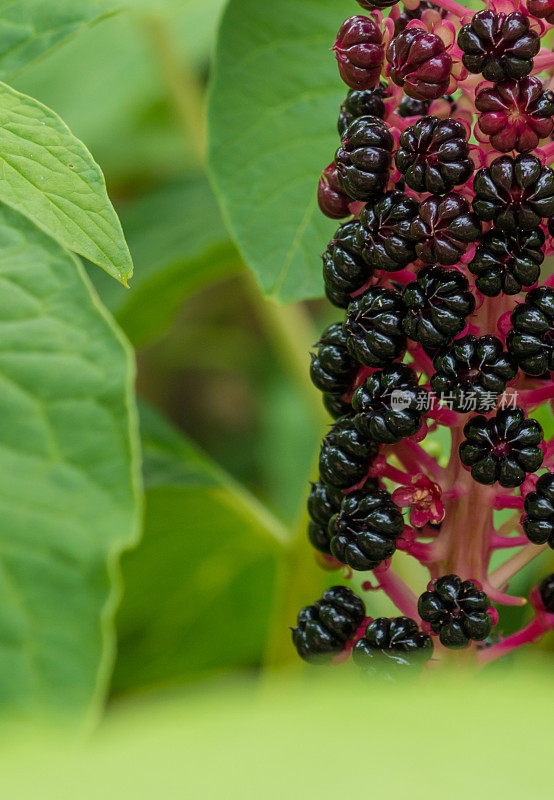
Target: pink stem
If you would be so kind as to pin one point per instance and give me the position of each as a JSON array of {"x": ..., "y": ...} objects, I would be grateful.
[
  {"x": 535, "y": 397},
  {"x": 415, "y": 459},
  {"x": 399, "y": 592},
  {"x": 453, "y": 8},
  {"x": 528, "y": 635},
  {"x": 542, "y": 61},
  {"x": 501, "y": 598},
  {"x": 505, "y": 542},
  {"x": 507, "y": 501}
]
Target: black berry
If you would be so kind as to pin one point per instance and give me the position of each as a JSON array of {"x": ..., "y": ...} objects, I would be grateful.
[
  {"x": 546, "y": 592},
  {"x": 457, "y": 611},
  {"x": 323, "y": 629},
  {"x": 344, "y": 268},
  {"x": 360, "y": 52},
  {"x": 437, "y": 304},
  {"x": 364, "y": 532},
  {"x": 390, "y": 404},
  {"x": 505, "y": 262},
  {"x": 346, "y": 454},
  {"x": 504, "y": 448},
  {"x": 362, "y": 103},
  {"x": 333, "y": 369},
  {"x": 538, "y": 522},
  {"x": 515, "y": 193},
  {"x": 371, "y": 5},
  {"x": 373, "y": 326},
  {"x": 412, "y": 108},
  {"x": 434, "y": 155},
  {"x": 323, "y": 502},
  {"x": 531, "y": 339},
  {"x": 384, "y": 232},
  {"x": 336, "y": 405},
  {"x": 499, "y": 46},
  {"x": 444, "y": 228},
  {"x": 364, "y": 158},
  {"x": 419, "y": 64},
  {"x": 391, "y": 643}
]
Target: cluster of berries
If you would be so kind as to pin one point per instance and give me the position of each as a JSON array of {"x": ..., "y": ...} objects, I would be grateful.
[{"x": 449, "y": 215}]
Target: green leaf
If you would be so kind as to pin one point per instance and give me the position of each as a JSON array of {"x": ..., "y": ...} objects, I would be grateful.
[
  {"x": 69, "y": 466},
  {"x": 50, "y": 177},
  {"x": 207, "y": 560},
  {"x": 29, "y": 28},
  {"x": 272, "y": 119},
  {"x": 179, "y": 245}
]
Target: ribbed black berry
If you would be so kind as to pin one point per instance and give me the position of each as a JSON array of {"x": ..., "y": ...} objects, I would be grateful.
[
  {"x": 364, "y": 158},
  {"x": 373, "y": 326},
  {"x": 323, "y": 502},
  {"x": 344, "y": 268},
  {"x": 514, "y": 193},
  {"x": 505, "y": 262},
  {"x": 472, "y": 372},
  {"x": 546, "y": 592},
  {"x": 346, "y": 454},
  {"x": 538, "y": 522},
  {"x": 323, "y": 629},
  {"x": 391, "y": 643},
  {"x": 438, "y": 304},
  {"x": 384, "y": 232},
  {"x": 362, "y": 103},
  {"x": 434, "y": 155},
  {"x": 444, "y": 228},
  {"x": 409, "y": 107},
  {"x": 457, "y": 611},
  {"x": 531, "y": 338},
  {"x": 390, "y": 404},
  {"x": 371, "y": 5},
  {"x": 333, "y": 369},
  {"x": 504, "y": 448},
  {"x": 336, "y": 405},
  {"x": 499, "y": 46},
  {"x": 364, "y": 532}
]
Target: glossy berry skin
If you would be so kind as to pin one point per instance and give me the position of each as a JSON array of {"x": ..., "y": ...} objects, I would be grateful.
[
  {"x": 373, "y": 327},
  {"x": 499, "y": 46},
  {"x": 364, "y": 158},
  {"x": 323, "y": 502},
  {"x": 336, "y": 405},
  {"x": 332, "y": 201},
  {"x": 323, "y": 629},
  {"x": 377, "y": 417},
  {"x": 333, "y": 369},
  {"x": 546, "y": 593},
  {"x": 457, "y": 611},
  {"x": 412, "y": 108},
  {"x": 419, "y": 64},
  {"x": 514, "y": 193},
  {"x": 344, "y": 268},
  {"x": 346, "y": 455},
  {"x": 503, "y": 449},
  {"x": 443, "y": 229},
  {"x": 515, "y": 115},
  {"x": 472, "y": 372},
  {"x": 542, "y": 9},
  {"x": 538, "y": 522},
  {"x": 391, "y": 643},
  {"x": 362, "y": 103},
  {"x": 531, "y": 338},
  {"x": 506, "y": 262},
  {"x": 434, "y": 155},
  {"x": 438, "y": 303},
  {"x": 360, "y": 52},
  {"x": 384, "y": 232},
  {"x": 364, "y": 532},
  {"x": 371, "y": 5}
]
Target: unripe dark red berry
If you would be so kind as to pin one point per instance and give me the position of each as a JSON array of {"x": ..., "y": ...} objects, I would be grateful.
[
  {"x": 388, "y": 644},
  {"x": 531, "y": 339},
  {"x": 516, "y": 115},
  {"x": 538, "y": 522},
  {"x": 323, "y": 629},
  {"x": 542, "y": 9},
  {"x": 373, "y": 326},
  {"x": 384, "y": 232},
  {"x": 434, "y": 155},
  {"x": 364, "y": 158},
  {"x": 499, "y": 46},
  {"x": 444, "y": 228},
  {"x": 506, "y": 262},
  {"x": 344, "y": 268},
  {"x": 360, "y": 52},
  {"x": 457, "y": 611},
  {"x": 362, "y": 103},
  {"x": 420, "y": 64},
  {"x": 333, "y": 202}
]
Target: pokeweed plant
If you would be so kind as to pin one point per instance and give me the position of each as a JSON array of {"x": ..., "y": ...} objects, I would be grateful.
[{"x": 443, "y": 181}]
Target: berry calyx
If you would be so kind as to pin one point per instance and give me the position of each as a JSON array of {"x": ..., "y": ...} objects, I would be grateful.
[
  {"x": 515, "y": 115},
  {"x": 360, "y": 52},
  {"x": 323, "y": 629},
  {"x": 419, "y": 64},
  {"x": 346, "y": 454},
  {"x": 503, "y": 449},
  {"x": 434, "y": 155},
  {"x": 538, "y": 522},
  {"x": 531, "y": 339},
  {"x": 391, "y": 643},
  {"x": 499, "y": 46},
  {"x": 323, "y": 502},
  {"x": 384, "y": 232},
  {"x": 364, "y": 158},
  {"x": 472, "y": 373},
  {"x": 457, "y": 611},
  {"x": 362, "y": 103},
  {"x": 443, "y": 229},
  {"x": 506, "y": 262},
  {"x": 364, "y": 532},
  {"x": 373, "y": 327}
]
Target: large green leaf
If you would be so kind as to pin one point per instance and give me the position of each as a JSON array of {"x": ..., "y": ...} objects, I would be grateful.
[
  {"x": 29, "y": 28},
  {"x": 179, "y": 245},
  {"x": 68, "y": 461},
  {"x": 272, "y": 118},
  {"x": 198, "y": 589},
  {"x": 50, "y": 177}
]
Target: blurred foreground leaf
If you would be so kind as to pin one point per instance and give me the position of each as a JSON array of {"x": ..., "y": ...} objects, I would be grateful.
[
  {"x": 272, "y": 117},
  {"x": 198, "y": 589},
  {"x": 68, "y": 460}
]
